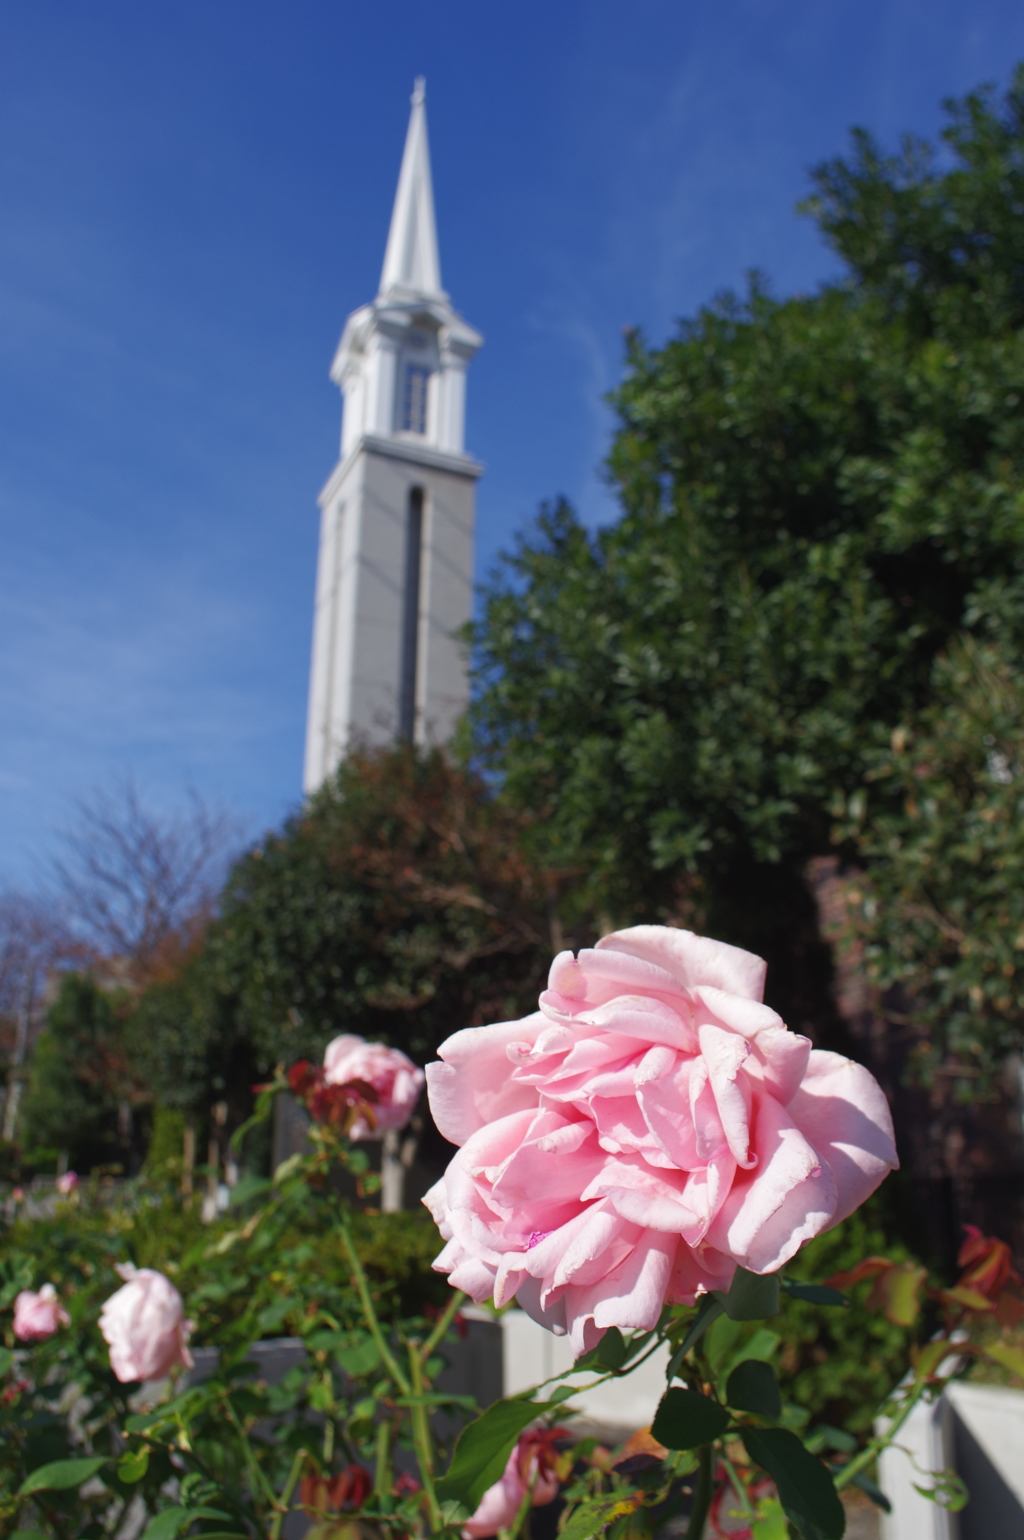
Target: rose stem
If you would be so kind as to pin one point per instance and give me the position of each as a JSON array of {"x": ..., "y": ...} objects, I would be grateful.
[
  {"x": 738, "y": 1487},
  {"x": 256, "y": 1475},
  {"x": 288, "y": 1494},
  {"x": 382, "y": 1476},
  {"x": 359, "y": 1278},
  {"x": 442, "y": 1325},
  {"x": 421, "y": 1437},
  {"x": 866, "y": 1457},
  {"x": 702, "y": 1496}
]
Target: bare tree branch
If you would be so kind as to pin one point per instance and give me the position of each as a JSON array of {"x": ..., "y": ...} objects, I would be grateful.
[
  {"x": 132, "y": 880},
  {"x": 32, "y": 941}
]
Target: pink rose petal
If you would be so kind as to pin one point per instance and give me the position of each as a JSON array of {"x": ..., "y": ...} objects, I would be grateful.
[
  {"x": 693, "y": 960},
  {"x": 841, "y": 1110}
]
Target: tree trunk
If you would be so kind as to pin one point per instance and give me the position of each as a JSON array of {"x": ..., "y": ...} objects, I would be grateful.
[
  {"x": 14, "y": 1081},
  {"x": 188, "y": 1156}
]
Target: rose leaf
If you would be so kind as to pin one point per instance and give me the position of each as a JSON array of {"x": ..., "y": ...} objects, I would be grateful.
[
  {"x": 753, "y": 1388},
  {"x": 806, "y": 1489},
  {"x": 685, "y": 1419}
]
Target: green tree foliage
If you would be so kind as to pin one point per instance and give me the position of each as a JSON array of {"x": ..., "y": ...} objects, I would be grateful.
[
  {"x": 819, "y": 496},
  {"x": 81, "y": 1077},
  {"x": 939, "y": 909},
  {"x": 397, "y": 904},
  {"x": 185, "y": 1042}
]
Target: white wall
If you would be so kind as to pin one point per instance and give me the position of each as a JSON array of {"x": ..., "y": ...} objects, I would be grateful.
[
  {"x": 977, "y": 1431},
  {"x": 532, "y": 1354}
]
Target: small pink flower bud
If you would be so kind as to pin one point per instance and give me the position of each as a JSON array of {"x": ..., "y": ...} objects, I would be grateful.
[{"x": 37, "y": 1316}]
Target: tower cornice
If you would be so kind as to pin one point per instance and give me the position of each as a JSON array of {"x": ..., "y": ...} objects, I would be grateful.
[
  {"x": 396, "y": 318},
  {"x": 400, "y": 449}
]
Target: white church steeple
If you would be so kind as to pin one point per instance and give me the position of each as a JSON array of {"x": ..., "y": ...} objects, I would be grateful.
[
  {"x": 411, "y": 262},
  {"x": 394, "y": 577}
]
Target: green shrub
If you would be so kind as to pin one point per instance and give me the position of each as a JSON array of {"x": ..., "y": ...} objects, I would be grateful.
[
  {"x": 841, "y": 1364},
  {"x": 165, "y": 1154},
  {"x": 229, "y": 1281},
  {"x": 275, "y": 1265}
]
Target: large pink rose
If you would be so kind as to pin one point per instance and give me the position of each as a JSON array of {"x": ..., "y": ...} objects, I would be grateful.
[
  {"x": 144, "y": 1326},
  {"x": 38, "y": 1316},
  {"x": 649, "y": 1128},
  {"x": 396, "y": 1080}
]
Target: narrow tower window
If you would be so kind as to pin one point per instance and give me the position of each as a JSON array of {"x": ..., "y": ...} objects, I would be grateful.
[
  {"x": 411, "y": 617},
  {"x": 414, "y": 406}
]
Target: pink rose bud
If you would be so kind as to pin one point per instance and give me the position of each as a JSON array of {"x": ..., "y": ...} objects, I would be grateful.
[
  {"x": 67, "y": 1183},
  {"x": 650, "y": 1128},
  {"x": 531, "y": 1461},
  {"x": 395, "y": 1078},
  {"x": 18, "y": 1194},
  {"x": 38, "y": 1316},
  {"x": 143, "y": 1326}
]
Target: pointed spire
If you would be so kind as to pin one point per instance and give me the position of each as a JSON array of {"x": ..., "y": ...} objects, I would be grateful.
[{"x": 411, "y": 260}]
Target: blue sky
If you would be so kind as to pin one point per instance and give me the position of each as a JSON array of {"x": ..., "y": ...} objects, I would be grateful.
[{"x": 195, "y": 194}]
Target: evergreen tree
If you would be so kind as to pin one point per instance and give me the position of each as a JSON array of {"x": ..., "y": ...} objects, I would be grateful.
[
  {"x": 821, "y": 496},
  {"x": 82, "y": 1086}
]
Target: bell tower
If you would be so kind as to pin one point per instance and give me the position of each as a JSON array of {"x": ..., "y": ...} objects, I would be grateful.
[{"x": 395, "y": 568}]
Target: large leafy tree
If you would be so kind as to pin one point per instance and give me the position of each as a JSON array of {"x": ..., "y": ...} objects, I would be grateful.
[
  {"x": 397, "y": 904},
  {"x": 820, "y": 495}
]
